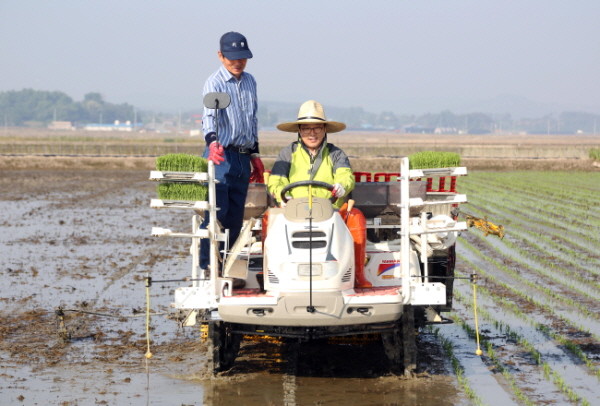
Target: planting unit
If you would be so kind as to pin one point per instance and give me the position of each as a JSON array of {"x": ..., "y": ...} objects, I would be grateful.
[{"x": 382, "y": 265}]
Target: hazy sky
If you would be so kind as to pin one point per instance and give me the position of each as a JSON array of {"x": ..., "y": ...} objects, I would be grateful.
[{"x": 402, "y": 56}]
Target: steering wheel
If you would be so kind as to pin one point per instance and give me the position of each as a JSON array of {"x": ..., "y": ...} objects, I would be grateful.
[{"x": 315, "y": 183}]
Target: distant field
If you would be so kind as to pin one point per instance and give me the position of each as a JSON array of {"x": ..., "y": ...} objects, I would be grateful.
[{"x": 374, "y": 151}]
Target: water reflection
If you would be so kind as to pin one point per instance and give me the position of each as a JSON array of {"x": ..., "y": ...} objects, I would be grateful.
[
  {"x": 291, "y": 391},
  {"x": 321, "y": 373}
]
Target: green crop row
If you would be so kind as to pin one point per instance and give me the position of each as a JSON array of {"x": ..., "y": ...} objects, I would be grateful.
[
  {"x": 458, "y": 369},
  {"x": 525, "y": 253},
  {"x": 563, "y": 189},
  {"x": 491, "y": 355},
  {"x": 547, "y": 289},
  {"x": 514, "y": 309},
  {"x": 531, "y": 243},
  {"x": 565, "y": 213},
  {"x": 580, "y": 203},
  {"x": 564, "y": 234},
  {"x": 521, "y": 341},
  {"x": 517, "y": 291}
]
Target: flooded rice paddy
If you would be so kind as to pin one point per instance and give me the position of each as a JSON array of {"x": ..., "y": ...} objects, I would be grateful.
[{"x": 76, "y": 247}]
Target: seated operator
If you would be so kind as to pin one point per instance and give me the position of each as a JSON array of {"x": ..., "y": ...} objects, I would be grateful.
[{"x": 311, "y": 157}]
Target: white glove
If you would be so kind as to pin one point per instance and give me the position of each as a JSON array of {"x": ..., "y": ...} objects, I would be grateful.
[{"x": 338, "y": 191}]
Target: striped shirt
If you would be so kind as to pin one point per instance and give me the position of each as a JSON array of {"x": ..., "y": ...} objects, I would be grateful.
[{"x": 238, "y": 125}]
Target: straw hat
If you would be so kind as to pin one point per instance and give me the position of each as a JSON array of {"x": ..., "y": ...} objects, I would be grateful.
[{"x": 311, "y": 112}]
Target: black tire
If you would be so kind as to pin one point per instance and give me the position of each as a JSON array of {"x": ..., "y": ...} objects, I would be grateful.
[
  {"x": 400, "y": 346},
  {"x": 224, "y": 347},
  {"x": 443, "y": 267}
]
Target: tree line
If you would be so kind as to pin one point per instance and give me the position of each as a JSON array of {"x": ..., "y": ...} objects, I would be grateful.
[
  {"x": 36, "y": 107},
  {"x": 356, "y": 118},
  {"x": 30, "y": 107}
]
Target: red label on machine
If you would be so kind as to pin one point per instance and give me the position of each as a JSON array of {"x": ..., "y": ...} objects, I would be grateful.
[{"x": 387, "y": 269}]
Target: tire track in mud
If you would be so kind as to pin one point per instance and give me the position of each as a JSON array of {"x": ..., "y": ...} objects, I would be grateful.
[
  {"x": 290, "y": 384},
  {"x": 149, "y": 254},
  {"x": 345, "y": 372}
]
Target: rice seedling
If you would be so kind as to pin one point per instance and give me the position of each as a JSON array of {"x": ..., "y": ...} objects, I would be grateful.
[
  {"x": 564, "y": 190},
  {"x": 188, "y": 191},
  {"x": 492, "y": 356},
  {"x": 534, "y": 287},
  {"x": 434, "y": 159},
  {"x": 560, "y": 212},
  {"x": 458, "y": 369},
  {"x": 516, "y": 293},
  {"x": 549, "y": 373},
  {"x": 523, "y": 254},
  {"x": 181, "y": 163},
  {"x": 182, "y": 191},
  {"x": 575, "y": 204},
  {"x": 532, "y": 245},
  {"x": 558, "y": 228},
  {"x": 515, "y": 310}
]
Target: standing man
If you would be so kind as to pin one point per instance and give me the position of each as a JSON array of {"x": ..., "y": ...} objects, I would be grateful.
[{"x": 236, "y": 149}]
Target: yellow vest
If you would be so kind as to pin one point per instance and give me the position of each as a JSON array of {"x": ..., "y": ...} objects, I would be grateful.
[{"x": 320, "y": 169}]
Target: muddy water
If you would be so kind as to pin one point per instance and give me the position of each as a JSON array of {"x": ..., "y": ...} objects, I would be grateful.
[{"x": 79, "y": 241}]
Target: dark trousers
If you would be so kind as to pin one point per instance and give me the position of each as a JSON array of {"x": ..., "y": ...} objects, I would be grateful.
[{"x": 233, "y": 175}]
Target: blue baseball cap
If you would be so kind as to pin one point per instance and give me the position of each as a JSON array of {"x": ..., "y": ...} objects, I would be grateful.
[{"x": 235, "y": 46}]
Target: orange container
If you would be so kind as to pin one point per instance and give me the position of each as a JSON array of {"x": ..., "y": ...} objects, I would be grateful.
[{"x": 357, "y": 224}]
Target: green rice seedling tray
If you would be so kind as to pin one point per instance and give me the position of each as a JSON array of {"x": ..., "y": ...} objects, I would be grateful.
[
  {"x": 434, "y": 159},
  {"x": 182, "y": 191}
]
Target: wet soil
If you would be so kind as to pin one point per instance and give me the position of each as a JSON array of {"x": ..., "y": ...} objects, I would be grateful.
[{"x": 76, "y": 249}]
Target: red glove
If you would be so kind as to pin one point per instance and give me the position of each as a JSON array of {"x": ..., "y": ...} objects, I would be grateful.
[
  {"x": 216, "y": 153},
  {"x": 257, "y": 170},
  {"x": 338, "y": 191}
]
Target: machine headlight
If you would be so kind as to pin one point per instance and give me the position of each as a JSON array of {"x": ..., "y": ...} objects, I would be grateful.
[{"x": 304, "y": 269}]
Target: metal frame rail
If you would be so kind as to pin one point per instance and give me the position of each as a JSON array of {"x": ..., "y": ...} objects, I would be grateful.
[
  {"x": 406, "y": 229},
  {"x": 210, "y": 286}
]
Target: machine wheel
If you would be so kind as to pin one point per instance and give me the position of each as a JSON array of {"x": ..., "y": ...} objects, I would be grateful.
[
  {"x": 400, "y": 346},
  {"x": 444, "y": 268},
  {"x": 224, "y": 346}
]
